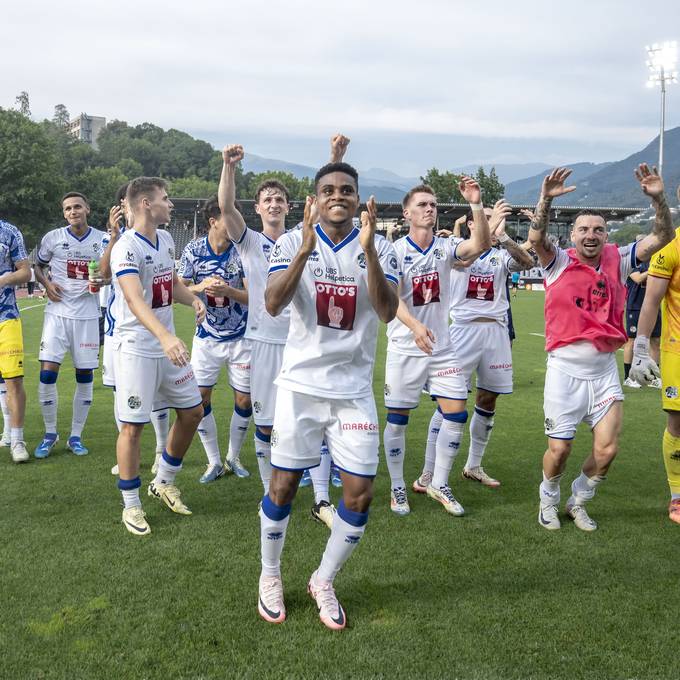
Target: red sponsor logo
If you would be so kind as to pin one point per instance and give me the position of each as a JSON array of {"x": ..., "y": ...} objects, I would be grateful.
[
  {"x": 77, "y": 269},
  {"x": 336, "y": 305},
  {"x": 454, "y": 370},
  {"x": 364, "y": 427},
  {"x": 425, "y": 289},
  {"x": 216, "y": 301},
  {"x": 161, "y": 290},
  {"x": 242, "y": 367},
  {"x": 605, "y": 402},
  {"x": 184, "y": 378},
  {"x": 480, "y": 287}
]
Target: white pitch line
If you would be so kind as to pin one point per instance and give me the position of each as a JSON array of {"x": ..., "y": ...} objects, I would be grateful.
[
  {"x": 538, "y": 335},
  {"x": 23, "y": 309}
]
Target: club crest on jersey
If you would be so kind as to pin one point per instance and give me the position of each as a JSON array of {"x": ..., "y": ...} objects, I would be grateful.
[
  {"x": 361, "y": 260},
  {"x": 393, "y": 262},
  {"x": 257, "y": 407},
  {"x": 134, "y": 402},
  {"x": 549, "y": 424},
  {"x": 95, "y": 247},
  {"x": 274, "y": 439},
  {"x": 671, "y": 392},
  {"x": 438, "y": 253},
  {"x": 232, "y": 268},
  {"x": 266, "y": 249},
  {"x": 388, "y": 390},
  {"x": 493, "y": 260},
  {"x": 425, "y": 289},
  {"x": 335, "y": 305},
  {"x": 171, "y": 252}
]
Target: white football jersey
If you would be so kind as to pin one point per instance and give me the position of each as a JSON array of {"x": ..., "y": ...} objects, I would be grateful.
[
  {"x": 68, "y": 258},
  {"x": 425, "y": 289},
  {"x": 255, "y": 248},
  {"x": 330, "y": 349},
  {"x": 154, "y": 263},
  {"x": 481, "y": 290}
]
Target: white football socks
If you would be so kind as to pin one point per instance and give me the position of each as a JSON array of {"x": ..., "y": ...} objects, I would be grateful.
[
  {"x": 394, "y": 443},
  {"x": 161, "y": 426},
  {"x": 481, "y": 425},
  {"x": 207, "y": 431},
  {"x": 583, "y": 488},
  {"x": 549, "y": 490},
  {"x": 82, "y": 400},
  {"x": 447, "y": 446},
  {"x": 273, "y": 524},
  {"x": 346, "y": 532},
  {"x": 5, "y": 410},
  {"x": 431, "y": 446},
  {"x": 320, "y": 476},
  {"x": 238, "y": 428},
  {"x": 49, "y": 400},
  {"x": 263, "y": 454},
  {"x": 168, "y": 467}
]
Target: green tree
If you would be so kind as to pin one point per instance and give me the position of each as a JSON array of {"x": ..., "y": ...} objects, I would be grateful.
[
  {"x": 22, "y": 101},
  {"x": 626, "y": 233},
  {"x": 492, "y": 188},
  {"x": 444, "y": 184},
  {"x": 99, "y": 185},
  {"x": 298, "y": 189},
  {"x": 31, "y": 180},
  {"x": 192, "y": 187},
  {"x": 61, "y": 117}
]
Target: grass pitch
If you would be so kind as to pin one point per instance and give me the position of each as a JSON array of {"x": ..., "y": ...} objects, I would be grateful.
[{"x": 489, "y": 595}]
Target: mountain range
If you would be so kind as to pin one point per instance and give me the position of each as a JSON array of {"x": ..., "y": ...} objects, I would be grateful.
[{"x": 597, "y": 184}]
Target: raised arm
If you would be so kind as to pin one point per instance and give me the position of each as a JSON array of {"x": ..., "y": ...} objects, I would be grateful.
[
  {"x": 281, "y": 285},
  {"x": 339, "y": 144},
  {"x": 662, "y": 232},
  {"x": 501, "y": 211},
  {"x": 553, "y": 186},
  {"x": 232, "y": 154},
  {"x": 381, "y": 292},
  {"x": 116, "y": 216},
  {"x": 480, "y": 237}
]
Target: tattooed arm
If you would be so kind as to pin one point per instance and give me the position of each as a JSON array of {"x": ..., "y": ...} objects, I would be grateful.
[
  {"x": 553, "y": 186},
  {"x": 663, "y": 232}
]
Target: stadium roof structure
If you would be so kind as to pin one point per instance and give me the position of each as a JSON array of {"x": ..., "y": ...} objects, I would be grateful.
[{"x": 189, "y": 209}]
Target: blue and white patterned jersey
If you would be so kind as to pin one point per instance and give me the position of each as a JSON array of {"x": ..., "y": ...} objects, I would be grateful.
[
  {"x": 12, "y": 250},
  {"x": 225, "y": 319}
]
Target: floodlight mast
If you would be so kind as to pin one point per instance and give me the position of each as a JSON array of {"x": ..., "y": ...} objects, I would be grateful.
[{"x": 662, "y": 61}]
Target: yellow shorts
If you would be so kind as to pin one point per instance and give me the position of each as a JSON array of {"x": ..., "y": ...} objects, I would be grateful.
[
  {"x": 11, "y": 349},
  {"x": 670, "y": 381}
]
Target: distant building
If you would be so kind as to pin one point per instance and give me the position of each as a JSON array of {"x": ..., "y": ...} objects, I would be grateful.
[{"x": 87, "y": 128}]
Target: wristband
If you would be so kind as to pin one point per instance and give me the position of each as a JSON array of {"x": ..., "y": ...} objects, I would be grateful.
[
  {"x": 503, "y": 238},
  {"x": 476, "y": 206}
]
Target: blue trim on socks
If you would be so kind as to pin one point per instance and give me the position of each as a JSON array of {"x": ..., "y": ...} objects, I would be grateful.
[
  {"x": 171, "y": 460},
  {"x": 456, "y": 417},
  {"x": 397, "y": 419},
  {"x": 85, "y": 377},
  {"x": 266, "y": 438},
  {"x": 163, "y": 415},
  {"x": 48, "y": 377},
  {"x": 243, "y": 412},
  {"x": 129, "y": 484},
  {"x": 482, "y": 412},
  {"x": 207, "y": 410},
  {"x": 273, "y": 511},
  {"x": 356, "y": 519}
]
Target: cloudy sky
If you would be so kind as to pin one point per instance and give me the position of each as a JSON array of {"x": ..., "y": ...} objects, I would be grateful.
[{"x": 415, "y": 84}]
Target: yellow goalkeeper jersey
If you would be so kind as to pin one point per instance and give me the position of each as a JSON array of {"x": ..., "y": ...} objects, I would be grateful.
[{"x": 666, "y": 265}]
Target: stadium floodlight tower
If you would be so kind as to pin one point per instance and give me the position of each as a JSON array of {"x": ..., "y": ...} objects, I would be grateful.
[{"x": 662, "y": 62}]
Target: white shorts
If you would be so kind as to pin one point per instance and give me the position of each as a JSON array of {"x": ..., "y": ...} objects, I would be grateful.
[
  {"x": 484, "y": 347},
  {"x": 266, "y": 361},
  {"x": 145, "y": 384},
  {"x": 208, "y": 356},
  {"x": 406, "y": 376},
  {"x": 108, "y": 375},
  {"x": 78, "y": 337},
  {"x": 349, "y": 426},
  {"x": 568, "y": 401}
]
